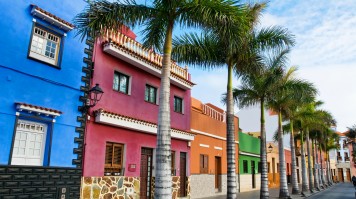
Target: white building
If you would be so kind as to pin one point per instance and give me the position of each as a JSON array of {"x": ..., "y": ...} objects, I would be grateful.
[{"x": 341, "y": 159}]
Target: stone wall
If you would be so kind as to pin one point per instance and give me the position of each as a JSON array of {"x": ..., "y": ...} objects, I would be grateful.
[
  {"x": 121, "y": 187},
  {"x": 203, "y": 185},
  {"x": 111, "y": 187},
  {"x": 175, "y": 187}
]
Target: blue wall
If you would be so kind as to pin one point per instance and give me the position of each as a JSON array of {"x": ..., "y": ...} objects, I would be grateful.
[{"x": 29, "y": 81}]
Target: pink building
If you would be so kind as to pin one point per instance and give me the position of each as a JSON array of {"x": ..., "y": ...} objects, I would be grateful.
[{"x": 121, "y": 134}]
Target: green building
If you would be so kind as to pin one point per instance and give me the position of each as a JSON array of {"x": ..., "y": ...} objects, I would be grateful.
[{"x": 249, "y": 162}]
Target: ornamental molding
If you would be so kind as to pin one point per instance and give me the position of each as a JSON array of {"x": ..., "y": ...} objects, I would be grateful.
[
  {"x": 210, "y": 135},
  {"x": 51, "y": 18},
  {"x": 250, "y": 154},
  {"x": 114, "y": 119},
  {"x": 37, "y": 109}
]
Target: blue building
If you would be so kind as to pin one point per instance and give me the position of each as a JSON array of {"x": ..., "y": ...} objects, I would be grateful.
[{"x": 42, "y": 84}]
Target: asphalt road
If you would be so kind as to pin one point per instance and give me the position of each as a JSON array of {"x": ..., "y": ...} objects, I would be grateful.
[{"x": 338, "y": 191}]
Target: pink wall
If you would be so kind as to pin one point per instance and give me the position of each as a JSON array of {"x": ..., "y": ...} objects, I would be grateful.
[
  {"x": 134, "y": 105},
  {"x": 97, "y": 136}
]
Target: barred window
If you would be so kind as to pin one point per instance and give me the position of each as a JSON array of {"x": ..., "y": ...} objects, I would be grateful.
[{"x": 204, "y": 163}]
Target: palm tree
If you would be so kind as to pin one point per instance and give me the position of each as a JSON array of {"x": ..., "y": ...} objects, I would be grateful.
[
  {"x": 259, "y": 87},
  {"x": 289, "y": 93},
  {"x": 159, "y": 19},
  {"x": 351, "y": 134},
  {"x": 214, "y": 49}
]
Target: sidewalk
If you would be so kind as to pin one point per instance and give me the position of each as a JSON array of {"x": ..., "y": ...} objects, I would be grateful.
[{"x": 273, "y": 193}]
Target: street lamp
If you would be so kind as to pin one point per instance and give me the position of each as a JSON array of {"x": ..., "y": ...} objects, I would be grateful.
[
  {"x": 270, "y": 148},
  {"x": 94, "y": 96}
]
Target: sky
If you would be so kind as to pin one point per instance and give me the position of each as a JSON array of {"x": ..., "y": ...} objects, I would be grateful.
[{"x": 325, "y": 53}]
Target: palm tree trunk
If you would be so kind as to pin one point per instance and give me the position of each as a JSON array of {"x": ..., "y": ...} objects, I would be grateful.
[
  {"x": 304, "y": 170},
  {"x": 295, "y": 186},
  {"x": 322, "y": 169},
  {"x": 310, "y": 171},
  {"x": 230, "y": 134},
  {"x": 163, "y": 179},
  {"x": 319, "y": 165},
  {"x": 264, "y": 193},
  {"x": 329, "y": 170},
  {"x": 327, "y": 165},
  {"x": 316, "y": 178},
  {"x": 283, "y": 188}
]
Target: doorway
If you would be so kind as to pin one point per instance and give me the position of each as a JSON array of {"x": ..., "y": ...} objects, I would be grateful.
[
  {"x": 183, "y": 174},
  {"x": 340, "y": 175},
  {"x": 348, "y": 175},
  {"x": 217, "y": 174},
  {"x": 253, "y": 174},
  {"x": 146, "y": 173},
  {"x": 274, "y": 170}
]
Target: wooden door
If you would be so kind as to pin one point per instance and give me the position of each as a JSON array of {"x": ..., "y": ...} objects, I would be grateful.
[
  {"x": 217, "y": 173},
  {"x": 348, "y": 175},
  {"x": 340, "y": 175},
  {"x": 183, "y": 174},
  {"x": 146, "y": 173}
]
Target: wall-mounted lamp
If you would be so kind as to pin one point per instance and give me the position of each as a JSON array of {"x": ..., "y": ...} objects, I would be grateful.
[
  {"x": 94, "y": 96},
  {"x": 270, "y": 148}
]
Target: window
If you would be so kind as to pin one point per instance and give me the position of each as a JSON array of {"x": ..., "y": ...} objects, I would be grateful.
[
  {"x": 113, "y": 159},
  {"x": 245, "y": 166},
  {"x": 29, "y": 143},
  {"x": 204, "y": 163},
  {"x": 121, "y": 82},
  {"x": 178, "y": 104},
  {"x": 297, "y": 161},
  {"x": 259, "y": 167},
  {"x": 151, "y": 94},
  {"x": 269, "y": 167},
  {"x": 277, "y": 167},
  {"x": 44, "y": 46},
  {"x": 253, "y": 170}
]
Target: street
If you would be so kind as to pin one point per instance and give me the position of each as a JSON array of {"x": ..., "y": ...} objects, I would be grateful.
[{"x": 338, "y": 191}]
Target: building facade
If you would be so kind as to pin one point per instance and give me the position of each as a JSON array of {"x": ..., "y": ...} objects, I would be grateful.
[
  {"x": 208, "y": 150},
  {"x": 41, "y": 76},
  {"x": 121, "y": 133},
  {"x": 249, "y": 162},
  {"x": 342, "y": 154}
]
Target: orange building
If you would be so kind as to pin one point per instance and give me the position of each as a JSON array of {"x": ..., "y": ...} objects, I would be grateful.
[{"x": 208, "y": 150}]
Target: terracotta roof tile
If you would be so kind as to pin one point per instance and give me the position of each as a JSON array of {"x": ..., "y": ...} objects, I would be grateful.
[
  {"x": 38, "y": 107},
  {"x": 52, "y": 15}
]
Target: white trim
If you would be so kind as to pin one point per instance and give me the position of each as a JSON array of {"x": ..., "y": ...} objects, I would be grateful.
[
  {"x": 138, "y": 125},
  {"x": 210, "y": 135},
  {"x": 111, "y": 49},
  {"x": 249, "y": 154},
  {"x": 50, "y": 19},
  {"x": 218, "y": 148},
  {"x": 204, "y": 145},
  {"x": 21, "y": 107}
]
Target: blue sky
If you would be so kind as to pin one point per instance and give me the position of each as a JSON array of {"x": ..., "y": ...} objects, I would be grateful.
[{"x": 325, "y": 54}]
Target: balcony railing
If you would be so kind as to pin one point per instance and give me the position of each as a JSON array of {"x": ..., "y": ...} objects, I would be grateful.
[
  {"x": 207, "y": 110},
  {"x": 147, "y": 54},
  {"x": 347, "y": 158},
  {"x": 339, "y": 158}
]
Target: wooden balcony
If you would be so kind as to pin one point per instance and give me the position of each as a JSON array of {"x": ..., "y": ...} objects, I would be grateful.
[{"x": 131, "y": 51}]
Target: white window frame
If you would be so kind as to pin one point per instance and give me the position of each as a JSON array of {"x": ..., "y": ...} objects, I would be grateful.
[
  {"x": 25, "y": 157},
  {"x": 38, "y": 50},
  {"x": 182, "y": 104},
  {"x": 157, "y": 93}
]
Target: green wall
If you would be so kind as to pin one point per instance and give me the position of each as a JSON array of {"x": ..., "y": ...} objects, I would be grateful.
[
  {"x": 249, "y": 144},
  {"x": 249, "y": 167}
]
